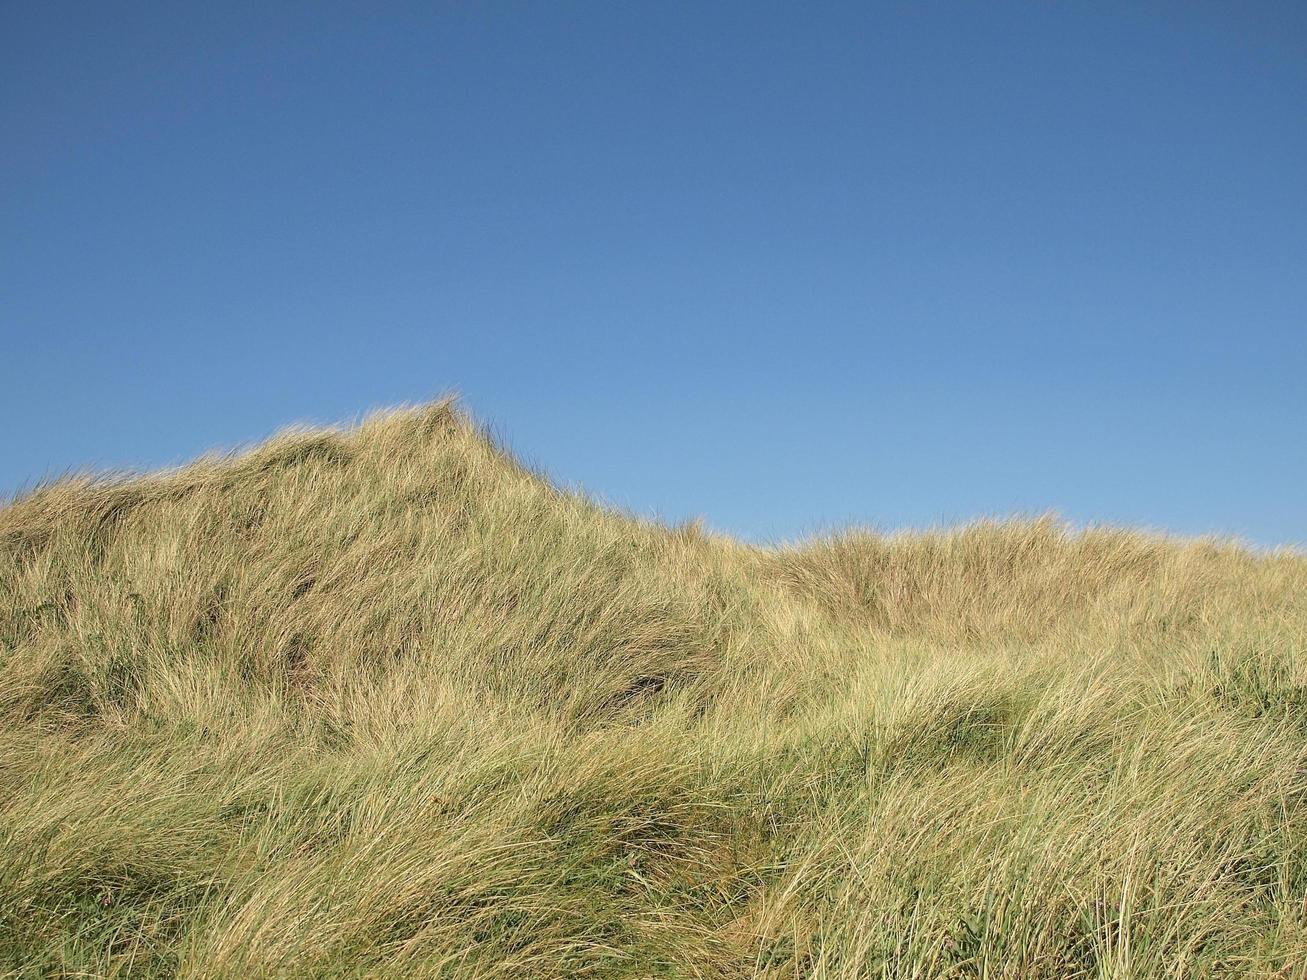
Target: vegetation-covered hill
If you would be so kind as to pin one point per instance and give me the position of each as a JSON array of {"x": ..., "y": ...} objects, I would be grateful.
[{"x": 383, "y": 702}]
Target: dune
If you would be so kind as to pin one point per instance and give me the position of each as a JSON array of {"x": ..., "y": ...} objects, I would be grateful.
[{"x": 382, "y": 701}]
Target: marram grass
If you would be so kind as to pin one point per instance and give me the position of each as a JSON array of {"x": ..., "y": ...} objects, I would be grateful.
[{"x": 382, "y": 702}]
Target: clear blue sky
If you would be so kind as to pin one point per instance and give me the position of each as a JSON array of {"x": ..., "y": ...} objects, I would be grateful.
[{"x": 781, "y": 266}]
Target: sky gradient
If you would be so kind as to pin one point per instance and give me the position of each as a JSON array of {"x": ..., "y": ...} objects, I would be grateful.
[{"x": 784, "y": 267}]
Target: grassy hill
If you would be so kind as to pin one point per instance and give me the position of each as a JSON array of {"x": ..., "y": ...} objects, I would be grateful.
[{"x": 383, "y": 702}]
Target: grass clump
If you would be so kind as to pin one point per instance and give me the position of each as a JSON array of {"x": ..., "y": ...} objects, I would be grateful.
[{"x": 384, "y": 702}]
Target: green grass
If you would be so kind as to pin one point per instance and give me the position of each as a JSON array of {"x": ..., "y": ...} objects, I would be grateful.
[{"x": 382, "y": 702}]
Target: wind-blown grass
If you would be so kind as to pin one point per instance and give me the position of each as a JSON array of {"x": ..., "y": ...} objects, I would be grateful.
[{"x": 383, "y": 702}]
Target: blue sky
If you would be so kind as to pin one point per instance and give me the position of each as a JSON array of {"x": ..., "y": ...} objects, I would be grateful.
[{"x": 784, "y": 267}]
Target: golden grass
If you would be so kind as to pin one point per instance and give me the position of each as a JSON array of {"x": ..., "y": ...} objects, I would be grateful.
[{"x": 381, "y": 702}]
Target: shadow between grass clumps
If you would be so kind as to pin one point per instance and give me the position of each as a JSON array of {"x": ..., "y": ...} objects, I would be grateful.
[
  {"x": 129, "y": 915},
  {"x": 1258, "y": 685},
  {"x": 956, "y": 730}
]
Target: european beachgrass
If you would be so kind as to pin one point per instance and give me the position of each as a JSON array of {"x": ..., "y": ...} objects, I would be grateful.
[{"x": 382, "y": 701}]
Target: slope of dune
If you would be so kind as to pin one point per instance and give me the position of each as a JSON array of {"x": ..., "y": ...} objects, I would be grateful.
[{"x": 381, "y": 701}]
